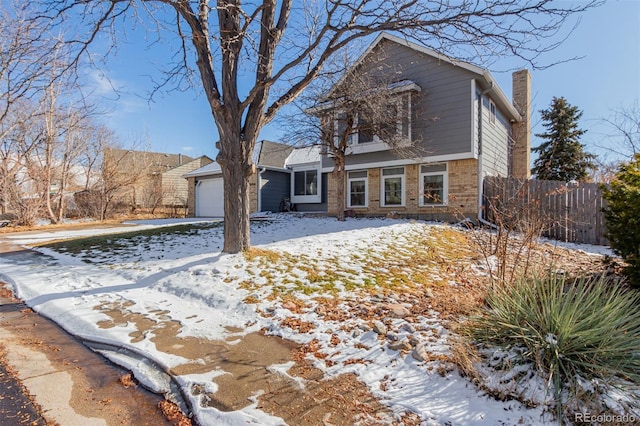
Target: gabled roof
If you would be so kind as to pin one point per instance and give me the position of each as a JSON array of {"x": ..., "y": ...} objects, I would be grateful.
[
  {"x": 266, "y": 154},
  {"x": 483, "y": 75},
  {"x": 273, "y": 154},
  {"x": 193, "y": 164},
  {"x": 209, "y": 169}
]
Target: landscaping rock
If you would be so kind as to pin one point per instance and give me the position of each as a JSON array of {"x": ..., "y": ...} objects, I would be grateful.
[
  {"x": 289, "y": 305},
  {"x": 379, "y": 328},
  {"x": 420, "y": 352},
  {"x": 408, "y": 328},
  {"x": 401, "y": 345},
  {"x": 414, "y": 340},
  {"x": 428, "y": 293},
  {"x": 398, "y": 311}
]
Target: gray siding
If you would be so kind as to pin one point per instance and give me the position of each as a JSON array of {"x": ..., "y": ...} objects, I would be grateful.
[
  {"x": 494, "y": 142},
  {"x": 275, "y": 186},
  {"x": 442, "y": 112}
]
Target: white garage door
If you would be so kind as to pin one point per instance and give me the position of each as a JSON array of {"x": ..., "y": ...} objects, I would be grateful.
[{"x": 210, "y": 198}]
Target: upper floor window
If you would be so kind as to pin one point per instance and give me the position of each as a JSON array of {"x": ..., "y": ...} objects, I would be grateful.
[
  {"x": 492, "y": 112},
  {"x": 375, "y": 124}
]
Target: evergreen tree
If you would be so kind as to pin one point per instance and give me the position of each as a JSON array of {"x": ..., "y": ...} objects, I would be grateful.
[
  {"x": 622, "y": 216},
  {"x": 561, "y": 156}
]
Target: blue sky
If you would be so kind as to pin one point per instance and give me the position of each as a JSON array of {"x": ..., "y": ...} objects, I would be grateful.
[{"x": 606, "y": 78}]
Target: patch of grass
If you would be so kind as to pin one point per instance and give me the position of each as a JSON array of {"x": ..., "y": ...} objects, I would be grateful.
[
  {"x": 571, "y": 329},
  {"x": 116, "y": 242},
  {"x": 257, "y": 253}
]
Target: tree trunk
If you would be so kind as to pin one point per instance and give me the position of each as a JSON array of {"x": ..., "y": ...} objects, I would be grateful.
[
  {"x": 48, "y": 181},
  {"x": 235, "y": 159},
  {"x": 341, "y": 177},
  {"x": 236, "y": 209}
]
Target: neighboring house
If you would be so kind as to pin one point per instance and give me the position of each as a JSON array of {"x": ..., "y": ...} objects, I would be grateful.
[
  {"x": 151, "y": 179},
  {"x": 268, "y": 187},
  {"x": 459, "y": 124},
  {"x": 175, "y": 189}
]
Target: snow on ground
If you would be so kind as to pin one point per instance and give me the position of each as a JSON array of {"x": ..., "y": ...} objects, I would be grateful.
[{"x": 184, "y": 277}]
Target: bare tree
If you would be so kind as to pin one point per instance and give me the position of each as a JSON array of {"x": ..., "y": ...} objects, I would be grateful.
[
  {"x": 20, "y": 136},
  {"x": 17, "y": 141},
  {"x": 122, "y": 174},
  {"x": 625, "y": 123},
  {"x": 354, "y": 104},
  {"x": 24, "y": 59},
  {"x": 24, "y": 56},
  {"x": 279, "y": 41}
]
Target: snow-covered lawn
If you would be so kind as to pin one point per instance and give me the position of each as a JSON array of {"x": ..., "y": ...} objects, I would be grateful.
[{"x": 371, "y": 296}]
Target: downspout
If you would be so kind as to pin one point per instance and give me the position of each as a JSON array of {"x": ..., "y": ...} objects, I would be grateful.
[
  {"x": 259, "y": 187},
  {"x": 480, "y": 180}
]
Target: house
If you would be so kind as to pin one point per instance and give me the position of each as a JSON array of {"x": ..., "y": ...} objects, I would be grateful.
[
  {"x": 150, "y": 179},
  {"x": 268, "y": 187},
  {"x": 174, "y": 188},
  {"x": 459, "y": 124}
]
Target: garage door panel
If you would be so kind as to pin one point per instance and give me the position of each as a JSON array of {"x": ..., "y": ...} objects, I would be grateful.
[{"x": 210, "y": 198}]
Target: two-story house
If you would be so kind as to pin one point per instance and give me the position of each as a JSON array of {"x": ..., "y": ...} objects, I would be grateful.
[{"x": 453, "y": 118}]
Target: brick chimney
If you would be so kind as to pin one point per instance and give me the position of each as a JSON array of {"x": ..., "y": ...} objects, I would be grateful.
[{"x": 521, "y": 130}]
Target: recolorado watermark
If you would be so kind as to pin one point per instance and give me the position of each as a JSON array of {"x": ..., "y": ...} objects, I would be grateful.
[{"x": 605, "y": 418}]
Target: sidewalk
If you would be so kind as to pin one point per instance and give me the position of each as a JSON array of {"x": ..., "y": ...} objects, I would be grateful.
[{"x": 48, "y": 377}]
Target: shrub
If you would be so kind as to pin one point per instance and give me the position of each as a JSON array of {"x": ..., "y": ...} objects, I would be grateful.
[
  {"x": 571, "y": 331},
  {"x": 622, "y": 216}
]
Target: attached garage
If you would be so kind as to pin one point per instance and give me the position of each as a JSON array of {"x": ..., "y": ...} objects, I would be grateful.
[
  {"x": 209, "y": 197},
  {"x": 268, "y": 187}
]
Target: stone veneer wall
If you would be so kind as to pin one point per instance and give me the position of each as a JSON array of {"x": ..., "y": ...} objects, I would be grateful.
[{"x": 463, "y": 194}]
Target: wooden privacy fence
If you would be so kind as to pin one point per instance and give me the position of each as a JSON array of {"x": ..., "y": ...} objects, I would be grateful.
[{"x": 564, "y": 211}]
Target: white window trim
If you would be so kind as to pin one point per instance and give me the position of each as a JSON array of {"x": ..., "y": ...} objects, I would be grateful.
[
  {"x": 404, "y": 187},
  {"x": 493, "y": 112},
  {"x": 302, "y": 199},
  {"x": 377, "y": 144},
  {"x": 445, "y": 189},
  {"x": 366, "y": 190}
]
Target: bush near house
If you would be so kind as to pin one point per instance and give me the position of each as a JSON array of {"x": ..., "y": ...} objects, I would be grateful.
[{"x": 622, "y": 216}]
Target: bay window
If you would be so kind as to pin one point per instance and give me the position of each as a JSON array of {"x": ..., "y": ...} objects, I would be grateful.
[{"x": 305, "y": 186}]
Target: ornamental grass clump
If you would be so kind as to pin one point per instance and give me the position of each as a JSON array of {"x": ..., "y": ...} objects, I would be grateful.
[{"x": 572, "y": 331}]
